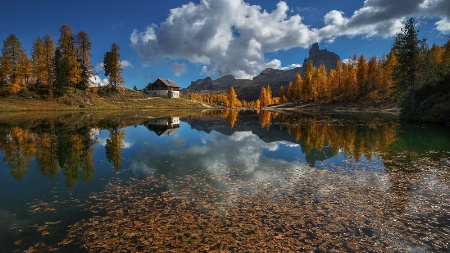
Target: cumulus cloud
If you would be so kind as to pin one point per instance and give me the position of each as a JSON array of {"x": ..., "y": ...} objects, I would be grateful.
[
  {"x": 232, "y": 36},
  {"x": 97, "y": 81},
  {"x": 227, "y": 36},
  {"x": 384, "y": 18},
  {"x": 179, "y": 68}
]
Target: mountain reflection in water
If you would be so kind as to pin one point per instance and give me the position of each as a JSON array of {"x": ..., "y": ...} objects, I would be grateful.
[{"x": 387, "y": 175}]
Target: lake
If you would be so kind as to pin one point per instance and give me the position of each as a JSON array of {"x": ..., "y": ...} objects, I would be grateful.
[{"x": 222, "y": 181}]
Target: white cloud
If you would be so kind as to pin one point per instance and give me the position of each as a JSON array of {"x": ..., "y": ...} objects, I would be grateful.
[
  {"x": 144, "y": 37},
  {"x": 292, "y": 66},
  {"x": 227, "y": 36},
  {"x": 98, "y": 66},
  {"x": 232, "y": 36},
  {"x": 334, "y": 18},
  {"x": 98, "y": 81},
  {"x": 443, "y": 25},
  {"x": 384, "y": 18},
  {"x": 179, "y": 68},
  {"x": 274, "y": 64}
]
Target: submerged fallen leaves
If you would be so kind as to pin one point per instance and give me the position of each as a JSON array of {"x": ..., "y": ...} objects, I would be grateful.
[{"x": 317, "y": 211}]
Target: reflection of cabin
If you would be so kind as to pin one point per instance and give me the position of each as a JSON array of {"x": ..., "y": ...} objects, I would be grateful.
[
  {"x": 162, "y": 88},
  {"x": 163, "y": 126}
]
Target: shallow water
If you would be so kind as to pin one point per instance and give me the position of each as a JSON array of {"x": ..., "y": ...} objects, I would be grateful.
[{"x": 223, "y": 180}]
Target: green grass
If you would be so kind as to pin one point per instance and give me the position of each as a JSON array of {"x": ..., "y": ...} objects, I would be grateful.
[{"x": 82, "y": 101}]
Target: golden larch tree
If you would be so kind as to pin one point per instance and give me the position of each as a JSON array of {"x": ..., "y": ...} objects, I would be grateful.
[
  {"x": 232, "y": 98},
  {"x": 69, "y": 53}
]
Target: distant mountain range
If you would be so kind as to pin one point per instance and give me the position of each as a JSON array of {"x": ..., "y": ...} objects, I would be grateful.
[{"x": 249, "y": 89}]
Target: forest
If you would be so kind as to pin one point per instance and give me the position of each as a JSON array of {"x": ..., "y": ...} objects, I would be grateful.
[
  {"x": 53, "y": 68},
  {"x": 413, "y": 74}
]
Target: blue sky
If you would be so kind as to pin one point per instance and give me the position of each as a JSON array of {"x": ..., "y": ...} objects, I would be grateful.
[{"x": 185, "y": 41}]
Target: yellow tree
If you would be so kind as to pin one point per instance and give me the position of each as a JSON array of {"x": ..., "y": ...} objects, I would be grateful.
[
  {"x": 282, "y": 95},
  {"x": 339, "y": 79},
  {"x": 290, "y": 92},
  {"x": 49, "y": 54},
  {"x": 232, "y": 98},
  {"x": 361, "y": 75},
  {"x": 264, "y": 97},
  {"x": 38, "y": 61},
  {"x": 15, "y": 64},
  {"x": 332, "y": 83},
  {"x": 84, "y": 47},
  {"x": 269, "y": 94},
  {"x": 297, "y": 86},
  {"x": 306, "y": 91},
  {"x": 112, "y": 67},
  {"x": 373, "y": 74},
  {"x": 388, "y": 66},
  {"x": 258, "y": 103},
  {"x": 350, "y": 80},
  {"x": 322, "y": 83},
  {"x": 436, "y": 53},
  {"x": 26, "y": 70},
  {"x": 446, "y": 53},
  {"x": 69, "y": 53}
]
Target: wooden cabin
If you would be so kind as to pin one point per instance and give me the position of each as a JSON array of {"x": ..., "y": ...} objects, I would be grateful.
[{"x": 162, "y": 88}]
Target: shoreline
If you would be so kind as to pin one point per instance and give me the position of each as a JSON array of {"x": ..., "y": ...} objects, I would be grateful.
[{"x": 388, "y": 108}]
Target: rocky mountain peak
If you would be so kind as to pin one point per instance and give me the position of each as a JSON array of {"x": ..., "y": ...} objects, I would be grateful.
[
  {"x": 314, "y": 51},
  {"x": 322, "y": 56}
]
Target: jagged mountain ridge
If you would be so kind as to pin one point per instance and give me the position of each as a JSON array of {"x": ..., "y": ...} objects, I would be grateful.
[{"x": 249, "y": 89}]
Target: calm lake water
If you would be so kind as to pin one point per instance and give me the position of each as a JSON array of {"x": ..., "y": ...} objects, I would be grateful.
[{"x": 222, "y": 181}]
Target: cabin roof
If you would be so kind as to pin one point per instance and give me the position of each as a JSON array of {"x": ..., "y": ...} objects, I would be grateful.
[{"x": 167, "y": 82}]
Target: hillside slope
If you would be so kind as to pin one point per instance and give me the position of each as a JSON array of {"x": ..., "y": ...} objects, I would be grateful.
[{"x": 125, "y": 99}]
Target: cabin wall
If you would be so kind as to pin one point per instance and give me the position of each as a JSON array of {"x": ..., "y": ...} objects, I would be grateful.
[{"x": 163, "y": 93}]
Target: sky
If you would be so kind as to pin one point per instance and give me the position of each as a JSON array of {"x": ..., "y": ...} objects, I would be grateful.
[{"x": 188, "y": 40}]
